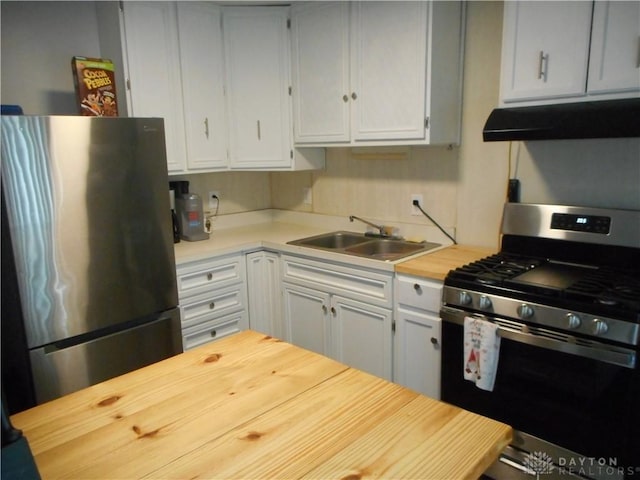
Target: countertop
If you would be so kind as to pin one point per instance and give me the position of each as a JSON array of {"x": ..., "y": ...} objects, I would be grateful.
[
  {"x": 250, "y": 406},
  {"x": 275, "y": 235},
  {"x": 437, "y": 264}
]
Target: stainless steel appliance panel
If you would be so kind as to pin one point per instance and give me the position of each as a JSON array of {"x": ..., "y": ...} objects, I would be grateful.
[
  {"x": 89, "y": 221},
  {"x": 59, "y": 368}
]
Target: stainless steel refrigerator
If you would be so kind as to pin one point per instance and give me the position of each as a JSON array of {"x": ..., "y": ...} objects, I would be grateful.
[{"x": 88, "y": 268}]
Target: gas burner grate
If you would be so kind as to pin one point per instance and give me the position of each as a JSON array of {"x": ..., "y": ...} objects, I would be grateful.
[
  {"x": 495, "y": 269},
  {"x": 606, "y": 287}
]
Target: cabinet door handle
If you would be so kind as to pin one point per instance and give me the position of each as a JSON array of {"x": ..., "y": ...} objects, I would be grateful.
[
  {"x": 324, "y": 308},
  {"x": 206, "y": 127},
  {"x": 213, "y": 333},
  {"x": 345, "y": 98},
  {"x": 212, "y": 305},
  {"x": 354, "y": 96},
  {"x": 543, "y": 63},
  {"x": 258, "y": 126},
  {"x": 434, "y": 341},
  {"x": 209, "y": 276},
  {"x": 333, "y": 311}
]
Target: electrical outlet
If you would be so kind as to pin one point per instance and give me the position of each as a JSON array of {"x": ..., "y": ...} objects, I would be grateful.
[
  {"x": 214, "y": 199},
  {"x": 307, "y": 196},
  {"x": 415, "y": 210}
]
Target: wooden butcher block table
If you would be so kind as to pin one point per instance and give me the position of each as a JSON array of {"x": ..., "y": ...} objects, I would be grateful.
[{"x": 253, "y": 407}]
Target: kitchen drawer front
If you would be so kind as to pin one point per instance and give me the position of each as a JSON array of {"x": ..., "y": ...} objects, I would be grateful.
[
  {"x": 213, "y": 305},
  {"x": 359, "y": 284},
  {"x": 419, "y": 293},
  {"x": 212, "y": 330},
  {"x": 199, "y": 277}
]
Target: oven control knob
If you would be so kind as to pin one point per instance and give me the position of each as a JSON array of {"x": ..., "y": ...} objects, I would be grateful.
[
  {"x": 525, "y": 311},
  {"x": 465, "y": 298},
  {"x": 599, "y": 327},
  {"x": 485, "y": 302},
  {"x": 573, "y": 321}
]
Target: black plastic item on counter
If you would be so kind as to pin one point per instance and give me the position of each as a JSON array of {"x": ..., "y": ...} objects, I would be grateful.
[{"x": 17, "y": 459}]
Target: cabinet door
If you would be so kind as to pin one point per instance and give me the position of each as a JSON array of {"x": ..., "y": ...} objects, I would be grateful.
[
  {"x": 320, "y": 62},
  {"x": 614, "y": 64},
  {"x": 545, "y": 49},
  {"x": 306, "y": 317},
  {"x": 153, "y": 58},
  {"x": 257, "y": 79},
  {"x": 388, "y": 69},
  {"x": 265, "y": 298},
  {"x": 361, "y": 336},
  {"x": 417, "y": 352},
  {"x": 201, "y": 56}
]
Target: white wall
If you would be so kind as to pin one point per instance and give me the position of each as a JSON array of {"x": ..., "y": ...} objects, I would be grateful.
[{"x": 38, "y": 41}]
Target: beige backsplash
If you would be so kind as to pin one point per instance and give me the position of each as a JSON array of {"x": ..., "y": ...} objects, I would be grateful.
[{"x": 374, "y": 188}]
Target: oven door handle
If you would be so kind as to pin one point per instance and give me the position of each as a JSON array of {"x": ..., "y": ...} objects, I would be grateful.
[
  {"x": 607, "y": 355},
  {"x": 560, "y": 343}
]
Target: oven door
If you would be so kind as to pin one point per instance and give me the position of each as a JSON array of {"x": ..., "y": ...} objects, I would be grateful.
[{"x": 552, "y": 389}]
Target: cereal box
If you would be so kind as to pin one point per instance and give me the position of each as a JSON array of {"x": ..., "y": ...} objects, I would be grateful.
[{"x": 94, "y": 80}]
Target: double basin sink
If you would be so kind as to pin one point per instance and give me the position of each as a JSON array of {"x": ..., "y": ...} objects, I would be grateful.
[{"x": 361, "y": 245}]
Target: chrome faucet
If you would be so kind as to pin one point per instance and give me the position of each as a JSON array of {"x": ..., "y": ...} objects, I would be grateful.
[{"x": 380, "y": 228}]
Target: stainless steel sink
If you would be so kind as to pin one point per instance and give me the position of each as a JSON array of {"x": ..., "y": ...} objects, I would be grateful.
[
  {"x": 333, "y": 240},
  {"x": 358, "y": 244},
  {"x": 386, "y": 249}
]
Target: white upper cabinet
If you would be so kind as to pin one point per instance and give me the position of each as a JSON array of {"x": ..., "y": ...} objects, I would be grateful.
[
  {"x": 376, "y": 73},
  {"x": 614, "y": 64},
  {"x": 565, "y": 51},
  {"x": 257, "y": 66},
  {"x": 320, "y": 51},
  {"x": 219, "y": 76},
  {"x": 388, "y": 68},
  {"x": 153, "y": 66},
  {"x": 202, "y": 66}
]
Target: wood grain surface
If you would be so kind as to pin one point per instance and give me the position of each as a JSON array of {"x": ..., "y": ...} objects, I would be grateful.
[
  {"x": 252, "y": 407},
  {"x": 436, "y": 265}
]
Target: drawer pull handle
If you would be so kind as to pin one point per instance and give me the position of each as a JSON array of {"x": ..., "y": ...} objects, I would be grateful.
[
  {"x": 213, "y": 333},
  {"x": 434, "y": 341},
  {"x": 212, "y": 305},
  {"x": 417, "y": 287},
  {"x": 209, "y": 276}
]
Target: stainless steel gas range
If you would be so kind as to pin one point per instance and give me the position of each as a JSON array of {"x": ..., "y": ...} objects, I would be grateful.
[{"x": 564, "y": 291}]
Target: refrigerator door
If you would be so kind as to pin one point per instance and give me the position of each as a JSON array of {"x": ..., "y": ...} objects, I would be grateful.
[
  {"x": 59, "y": 369},
  {"x": 89, "y": 221}
]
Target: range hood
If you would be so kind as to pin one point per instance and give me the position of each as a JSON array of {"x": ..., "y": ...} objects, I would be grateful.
[{"x": 599, "y": 119}]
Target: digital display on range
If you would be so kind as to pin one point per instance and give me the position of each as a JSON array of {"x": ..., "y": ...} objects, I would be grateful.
[{"x": 581, "y": 223}]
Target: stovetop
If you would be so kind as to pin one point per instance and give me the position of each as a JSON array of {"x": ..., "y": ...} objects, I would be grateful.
[
  {"x": 599, "y": 290},
  {"x": 569, "y": 258}
]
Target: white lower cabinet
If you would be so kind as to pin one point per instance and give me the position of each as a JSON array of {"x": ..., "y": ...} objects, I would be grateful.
[
  {"x": 340, "y": 311},
  {"x": 264, "y": 293},
  {"x": 417, "y": 339},
  {"x": 306, "y": 318},
  {"x": 212, "y": 295},
  {"x": 362, "y": 335}
]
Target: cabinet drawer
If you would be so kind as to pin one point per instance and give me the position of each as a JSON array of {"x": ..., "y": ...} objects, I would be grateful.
[
  {"x": 359, "y": 284},
  {"x": 213, "y": 305},
  {"x": 198, "y": 277},
  {"x": 419, "y": 293},
  {"x": 213, "y": 330}
]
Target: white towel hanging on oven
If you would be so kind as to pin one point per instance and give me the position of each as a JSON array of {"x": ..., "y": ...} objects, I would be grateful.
[{"x": 481, "y": 352}]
